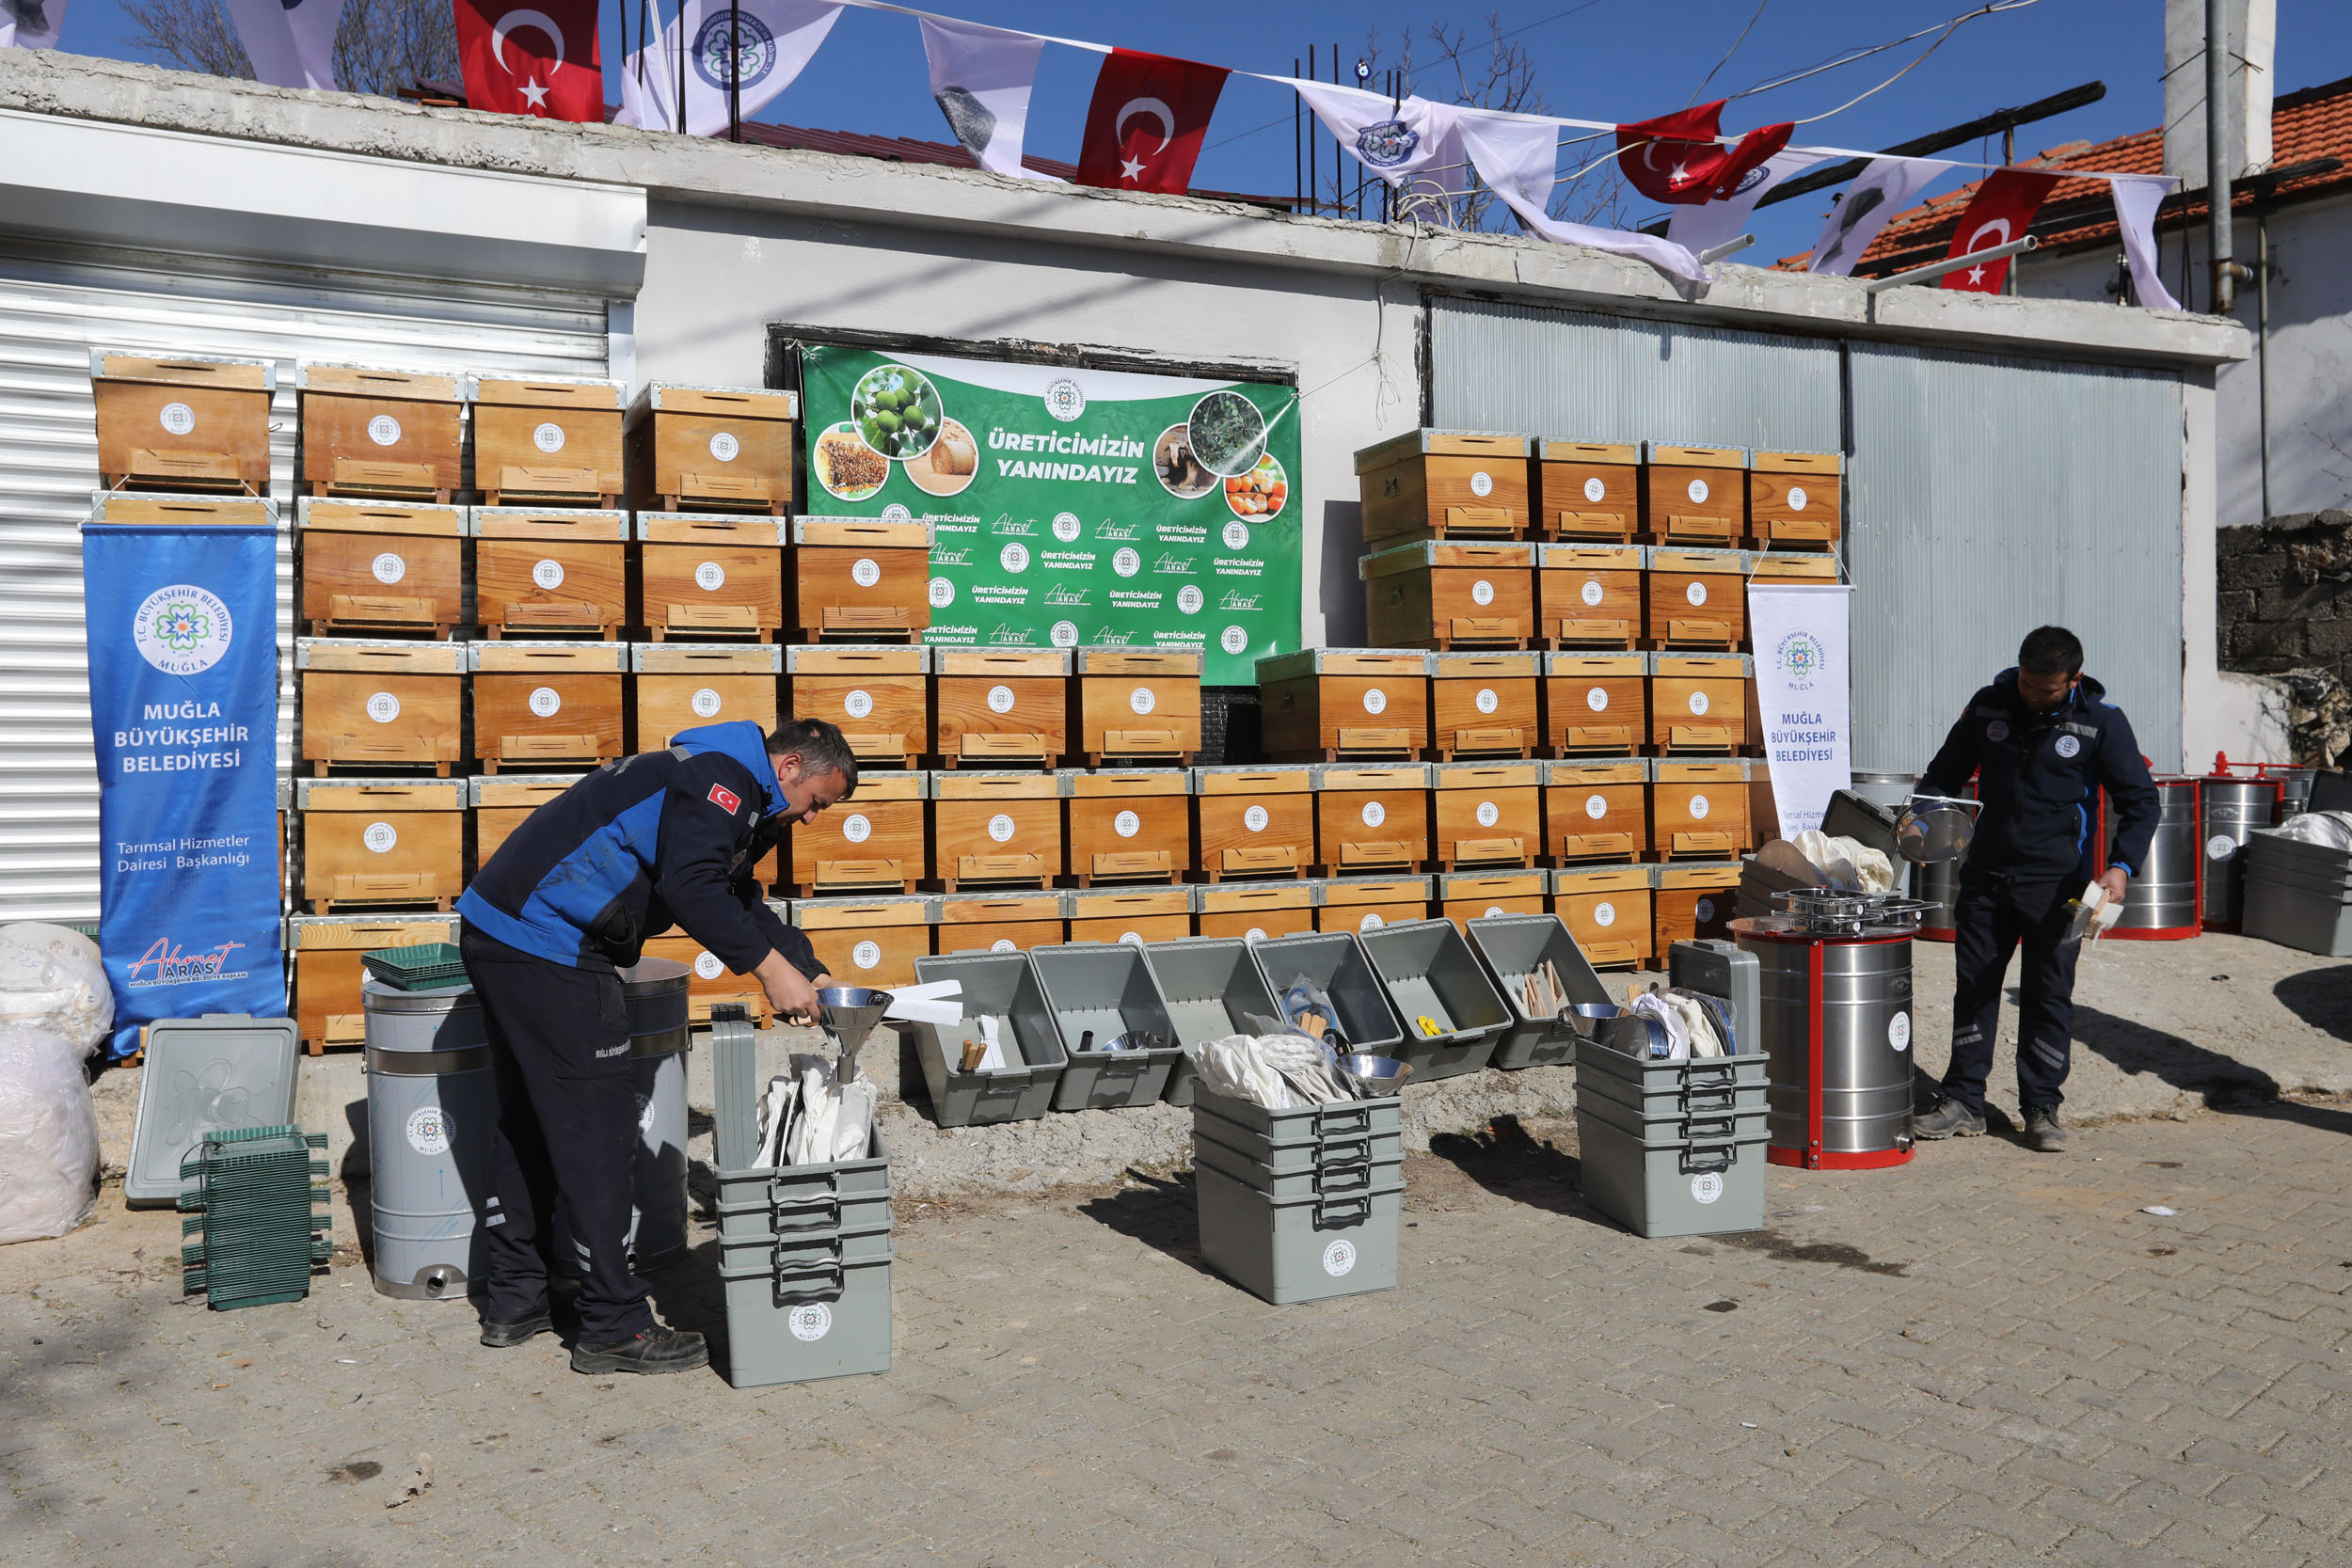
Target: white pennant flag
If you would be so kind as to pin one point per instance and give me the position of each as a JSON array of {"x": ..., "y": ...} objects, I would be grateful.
[
  {"x": 1877, "y": 194},
  {"x": 1412, "y": 142},
  {"x": 775, "y": 41},
  {"x": 648, "y": 83},
  {"x": 980, "y": 79},
  {"x": 1517, "y": 157},
  {"x": 1708, "y": 224},
  {"x": 291, "y": 46},
  {"x": 2137, "y": 198},
  {"x": 30, "y": 23}
]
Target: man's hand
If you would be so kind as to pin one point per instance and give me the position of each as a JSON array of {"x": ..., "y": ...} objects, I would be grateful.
[
  {"x": 789, "y": 992},
  {"x": 2113, "y": 880}
]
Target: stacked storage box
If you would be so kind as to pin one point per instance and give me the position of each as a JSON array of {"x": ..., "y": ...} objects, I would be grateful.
[
  {"x": 1299, "y": 1205},
  {"x": 2298, "y": 894},
  {"x": 1670, "y": 1148}
]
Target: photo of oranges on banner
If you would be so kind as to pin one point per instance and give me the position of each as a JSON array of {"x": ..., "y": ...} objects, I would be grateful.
[{"x": 1260, "y": 492}]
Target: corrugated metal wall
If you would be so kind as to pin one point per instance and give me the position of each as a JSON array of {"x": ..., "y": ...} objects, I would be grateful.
[
  {"x": 56, "y": 305},
  {"x": 1989, "y": 496}
]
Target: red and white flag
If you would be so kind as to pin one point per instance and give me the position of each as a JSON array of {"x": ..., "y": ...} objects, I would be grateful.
[
  {"x": 1677, "y": 158},
  {"x": 1145, "y": 124},
  {"x": 2001, "y": 211},
  {"x": 531, "y": 60}
]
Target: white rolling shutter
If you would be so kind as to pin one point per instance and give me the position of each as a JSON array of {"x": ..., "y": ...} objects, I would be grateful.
[{"x": 56, "y": 305}]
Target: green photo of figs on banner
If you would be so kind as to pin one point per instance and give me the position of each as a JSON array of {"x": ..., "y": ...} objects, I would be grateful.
[{"x": 1071, "y": 507}]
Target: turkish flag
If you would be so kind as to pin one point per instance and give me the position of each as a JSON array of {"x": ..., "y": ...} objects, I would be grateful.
[
  {"x": 2001, "y": 211},
  {"x": 1145, "y": 125},
  {"x": 1675, "y": 158},
  {"x": 531, "y": 59}
]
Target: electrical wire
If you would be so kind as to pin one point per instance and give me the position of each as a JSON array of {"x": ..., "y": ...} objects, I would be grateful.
[{"x": 1733, "y": 50}]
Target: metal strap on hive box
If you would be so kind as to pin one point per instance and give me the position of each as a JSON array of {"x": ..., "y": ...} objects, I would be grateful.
[{"x": 1698, "y": 1162}]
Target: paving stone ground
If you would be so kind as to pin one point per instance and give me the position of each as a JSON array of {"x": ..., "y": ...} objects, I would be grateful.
[{"x": 1987, "y": 1358}]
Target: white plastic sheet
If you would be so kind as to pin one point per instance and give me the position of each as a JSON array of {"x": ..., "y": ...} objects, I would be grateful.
[
  {"x": 2331, "y": 828},
  {"x": 48, "y": 1136},
  {"x": 51, "y": 979},
  {"x": 1848, "y": 863}
]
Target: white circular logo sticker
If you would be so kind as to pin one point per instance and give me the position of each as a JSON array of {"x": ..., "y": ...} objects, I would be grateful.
[
  {"x": 1487, "y": 701},
  {"x": 1481, "y": 483},
  {"x": 1133, "y": 939},
  {"x": 1697, "y": 592},
  {"x": 383, "y": 707},
  {"x": 1488, "y": 814},
  {"x": 1592, "y": 592},
  {"x": 547, "y": 701},
  {"x": 1704, "y": 910},
  {"x": 1004, "y": 945},
  {"x": 1014, "y": 557},
  {"x": 1698, "y": 808},
  {"x": 1899, "y": 1031},
  {"x": 1594, "y": 490},
  {"x": 857, "y": 827},
  {"x": 2068, "y": 745},
  {"x": 1065, "y": 399},
  {"x": 711, "y": 576},
  {"x": 1796, "y": 498},
  {"x": 1189, "y": 599},
  {"x": 1604, "y": 915},
  {"x": 1236, "y": 535},
  {"x": 866, "y": 955},
  {"x": 705, "y": 703},
  {"x": 1066, "y": 526},
  {"x": 811, "y": 1321},
  {"x": 1000, "y": 827},
  {"x": 644, "y": 1114},
  {"x": 1255, "y": 819},
  {"x": 1126, "y": 561},
  {"x": 1065, "y": 634},
  {"x": 380, "y": 837},
  {"x": 1597, "y": 806},
  {"x": 177, "y": 417},
  {"x": 1375, "y": 700},
  {"x": 1698, "y": 490},
  {"x": 1234, "y": 639},
  {"x": 1996, "y": 731},
  {"x": 1255, "y": 933},
  {"x": 1141, "y": 700},
  {"x": 549, "y": 437},
  {"x": 1000, "y": 699},
  {"x": 1370, "y": 923},
  {"x": 943, "y": 592},
  {"x": 182, "y": 630},
  {"x": 858, "y": 704},
  {"x": 429, "y": 1130},
  {"x": 725, "y": 447},
  {"x": 2218, "y": 847},
  {"x": 1482, "y": 592},
  {"x": 897, "y": 513},
  {"x": 383, "y": 430},
  {"x": 1374, "y": 814},
  {"x": 707, "y": 966},
  {"x": 865, "y": 571},
  {"x": 1127, "y": 824},
  {"x": 1339, "y": 1256},
  {"x": 389, "y": 568},
  {"x": 1492, "y": 910},
  {"x": 1707, "y": 1186},
  {"x": 547, "y": 574},
  {"x": 1699, "y": 702},
  {"x": 1597, "y": 699}
]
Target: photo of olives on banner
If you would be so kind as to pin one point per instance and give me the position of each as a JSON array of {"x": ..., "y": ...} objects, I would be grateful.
[{"x": 897, "y": 411}]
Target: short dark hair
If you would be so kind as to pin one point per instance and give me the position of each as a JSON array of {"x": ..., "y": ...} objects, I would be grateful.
[
  {"x": 2050, "y": 651},
  {"x": 820, "y": 747}
]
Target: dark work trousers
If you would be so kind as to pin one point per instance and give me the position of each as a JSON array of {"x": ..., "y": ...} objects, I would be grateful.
[
  {"x": 1992, "y": 921},
  {"x": 567, "y": 1124}
]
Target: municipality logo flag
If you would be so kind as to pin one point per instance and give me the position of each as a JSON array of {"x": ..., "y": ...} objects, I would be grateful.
[{"x": 759, "y": 47}]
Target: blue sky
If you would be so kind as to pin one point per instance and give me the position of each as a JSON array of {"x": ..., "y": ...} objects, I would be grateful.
[{"x": 1609, "y": 59}]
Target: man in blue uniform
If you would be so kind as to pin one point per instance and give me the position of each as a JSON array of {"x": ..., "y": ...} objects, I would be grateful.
[
  {"x": 663, "y": 838},
  {"x": 2042, "y": 743}
]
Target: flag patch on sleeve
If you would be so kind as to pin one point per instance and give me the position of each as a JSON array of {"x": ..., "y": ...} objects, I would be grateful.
[{"x": 726, "y": 800}]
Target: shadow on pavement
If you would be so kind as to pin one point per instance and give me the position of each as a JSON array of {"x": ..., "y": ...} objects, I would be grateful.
[
  {"x": 2140, "y": 1051},
  {"x": 1511, "y": 1163},
  {"x": 1159, "y": 1212},
  {"x": 2321, "y": 998}
]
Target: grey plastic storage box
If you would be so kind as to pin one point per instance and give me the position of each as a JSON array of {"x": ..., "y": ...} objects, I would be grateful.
[
  {"x": 1211, "y": 985},
  {"x": 1303, "y": 1139},
  {"x": 1429, "y": 971},
  {"x": 207, "y": 1075},
  {"x": 1001, "y": 985},
  {"x": 1674, "y": 1124},
  {"x": 1288, "y": 1250},
  {"x": 1511, "y": 947},
  {"x": 1671, "y": 1190},
  {"x": 1105, "y": 989},
  {"x": 1335, "y": 960},
  {"x": 1714, "y": 1087},
  {"x": 2298, "y": 894},
  {"x": 1337, "y": 1172},
  {"x": 1729, "y": 973}
]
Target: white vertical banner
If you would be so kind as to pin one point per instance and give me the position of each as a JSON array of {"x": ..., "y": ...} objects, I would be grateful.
[{"x": 1804, "y": 685}]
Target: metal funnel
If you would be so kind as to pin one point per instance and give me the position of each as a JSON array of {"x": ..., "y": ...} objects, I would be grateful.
[{"x": 849, "y": 1014}]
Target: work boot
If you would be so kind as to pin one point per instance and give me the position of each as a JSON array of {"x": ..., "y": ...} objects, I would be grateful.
[
  {"x": 1948, "y": 1118},
  {"x": 504, "y": 1335},
  {"x": 2042, "y": 1133},
  {"x": 659, "y": 1349}
]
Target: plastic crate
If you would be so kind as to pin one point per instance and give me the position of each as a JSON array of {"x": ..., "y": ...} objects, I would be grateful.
[
  {"x": 1107, "y": 989},
  {"x": 2298, "y": 894},
  {"x": 1513, "y": 946},
  {"x": 1335, "y": 1174},
  {"x": 1335, "y": 960},
  {"x": 205, "y": 1075},
  {"x": 1001, "y": 985},
  {"x": 428, "y": 966},
  {"x": 804, "y": 1263},
  {"x": 257, "y": 1222},
  {"x": 1211, "y": 985},
  {"x": 1287, "y": 1250},
  {"x": 1301, "y": 1138},
  {"x": 1654, "y": 1190},
  {"x": 1673, "y": 1126},
  {"x": 1429, "y": 971}
]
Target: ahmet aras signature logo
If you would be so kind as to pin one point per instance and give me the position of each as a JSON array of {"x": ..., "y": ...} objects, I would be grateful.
[{"x": 164, "y": 964}]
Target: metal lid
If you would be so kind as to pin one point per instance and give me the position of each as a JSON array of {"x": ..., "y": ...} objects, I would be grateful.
[
  {"x": 655, "y": 977},
  {"x": 377, "y": 997}
]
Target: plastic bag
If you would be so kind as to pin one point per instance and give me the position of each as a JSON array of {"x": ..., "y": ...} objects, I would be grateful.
[
  {"x": 52, "y": 980},
  {"x": 48, "y": 1136}
]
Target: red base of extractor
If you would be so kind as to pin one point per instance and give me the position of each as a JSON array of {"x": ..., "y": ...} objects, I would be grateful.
[
  {"x": 1825, "y": 1160},
  {"x": 2150, "y": 933}
]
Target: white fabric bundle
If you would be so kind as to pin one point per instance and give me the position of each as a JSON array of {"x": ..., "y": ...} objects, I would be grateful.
[
  {"x": 2331, "y": 829},
  {"x": 1847, "y": 864},
  {"x": 811, "y": 1118},
  {"x": 48, "y": 1136},
  {"x": 51, "y": 978},
  {"x": 1690, "y": 1028},
  {"x": 1281, "y": 1072}
]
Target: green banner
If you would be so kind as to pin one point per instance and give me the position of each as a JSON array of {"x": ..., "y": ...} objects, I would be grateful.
[{"x": 1069, "y": 507}]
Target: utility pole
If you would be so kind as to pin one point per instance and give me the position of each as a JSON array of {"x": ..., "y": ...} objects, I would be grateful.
[{"x": 2218, "y": 169}]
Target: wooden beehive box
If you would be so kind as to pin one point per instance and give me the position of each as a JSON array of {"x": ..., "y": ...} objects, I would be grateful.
[
  {"x": 1697, "y": 599},
  {"x": 550, "y": 572},
  {"x": 381, "y": 841},
  {"x": 1699, "y": 810},
  {"x": 380, "y": 566},
  {"x": 1488, "y": 814},
  {"x": 867, "y": 941},
  {"x": 1485, "y": 704},
  {"x": 1793, "y": 499},
  {"x": 1607, "y": 909},
  {"x": 540, "y": 702},
  {"x": 711, "y": 448},
  {"x": 1253, "y": 821},
  {"x": 1699, "y": 702},
  {"x": 546, "y": 442},
  {"x": 1255, "y": 912},
  {"x": 1590, "y": 595},
  {"x": 1467, "y": 895},
  {"x": 1597, "y": 809},
  {"x": 702, "y": 575},
  {"x": 1588, "y": 490},
  {"x": 1596, "y": 703},
  {"x": 1327, "y": 705},
  {"x": 1695, "y": 496},
  {"x": 1792, "y": 566},
  {"x": 1440, "y": 594},
  {"x": 193, "y": 422},
  {"x": 709, "y": 982},
  {"x": 1137, "y": 705},
  {"x": 683, "y": 685},
  {"x": 872, "y": 842},
  {"x": 1128, "y": 824},
  {"x": 997, "y": 707},
  {"x": 1368, "y": 902},
  {"x": 858, "y": 579},
  {"x": 1692, "y": 902},
  {"x": 1371, "y": 818},
  {"x": 879, "y": 696},
  {"x": 132, "y": 506},
  {"x": 1135, "y": 915},
  {"x": 502, "y": 803},
  {"x": 1441, "y": 485},
  {"x": 368, "y": 703},
  {"x": 1001, "y": 829},
  {"x": 396, "y": 435},
  {"x": 327, "y": 971},
  {"x": 1003, "y": 922}
]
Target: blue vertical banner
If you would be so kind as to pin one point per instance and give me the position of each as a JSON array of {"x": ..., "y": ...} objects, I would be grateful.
[{"x": 183, "y": 707}]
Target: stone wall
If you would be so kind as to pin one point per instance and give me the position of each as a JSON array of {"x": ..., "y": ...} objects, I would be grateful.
[{"x": 2285, "y": 611}]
